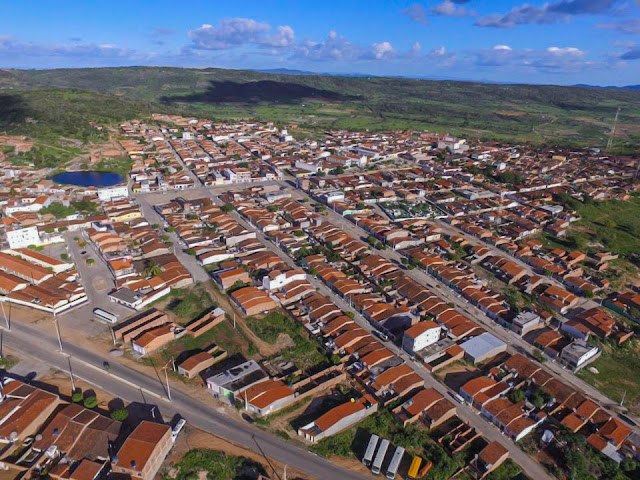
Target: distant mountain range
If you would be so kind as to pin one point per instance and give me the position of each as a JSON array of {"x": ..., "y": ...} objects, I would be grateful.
[
  {"x": 626, "y": 87},
  {"x": 289, "y": 71},
  {"x": 544, "y": 114}
]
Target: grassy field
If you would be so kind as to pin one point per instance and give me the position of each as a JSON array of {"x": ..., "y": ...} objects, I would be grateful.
[
  {"x": 611, "y": 225},
  {"x": 189, "y": 303},
  {"x": 615, "y": 224},
  {"x": 213, "y": 465},
  {"x": 415, "y": 439},
  {"x": 618, "y": 374},
  {"x": 63, "y": 101},
  {"x": 304, "y": 352}
]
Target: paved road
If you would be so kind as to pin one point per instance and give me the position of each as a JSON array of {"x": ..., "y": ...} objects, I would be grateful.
[
  {"x": 97, "y": 279},
  {"x": 479, "y": 316},
  {"x": 465, "y": 412},
  {"x": 198, "y": 273},
  {"x": 134, "y": 386},
  {"x": 454, "y": 230}
]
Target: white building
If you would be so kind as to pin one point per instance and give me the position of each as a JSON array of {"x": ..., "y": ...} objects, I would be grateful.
[
  {"x": 483, "y": 347},
  {"x": 526, "y": 322},
  {"x": 23, "y": 237},
  {"x": 238, "y": 175},
  {"x": 454, "y": 145},
  {"x": 420, "y": 336},
  {"x": 578, "y": 354},
  {"x": 27, "y": 205},
  {"x": 231, "y": 383},
  {"x": 313, "y": 166},
  {"x": 335, "y": 196},
  {"x": 106, "y": 194},
  {"x": 277, "y": 279}
]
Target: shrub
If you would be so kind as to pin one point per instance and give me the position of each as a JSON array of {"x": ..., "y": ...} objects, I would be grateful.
[
  {"x": 90, "y": 402},
  {"x": 516, "y": 396},
  {"x": 76, "y": 397},
  {"x": 120, "y": 414}
]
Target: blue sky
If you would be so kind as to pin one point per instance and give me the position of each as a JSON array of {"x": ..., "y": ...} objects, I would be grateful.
[{"x": 557, "y": 41}]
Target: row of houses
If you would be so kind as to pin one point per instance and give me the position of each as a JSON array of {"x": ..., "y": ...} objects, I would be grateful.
[{"x": 42, "y": 433}]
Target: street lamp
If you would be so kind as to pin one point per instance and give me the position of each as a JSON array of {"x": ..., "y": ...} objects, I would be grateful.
[
  {"x": 73, "y": 383},
  {"x": 166, "y": 376},
  {"x": 55, "y": 321}
]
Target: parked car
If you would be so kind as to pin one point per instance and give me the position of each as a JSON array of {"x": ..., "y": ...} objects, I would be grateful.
[{"x": 175, "y": 431}]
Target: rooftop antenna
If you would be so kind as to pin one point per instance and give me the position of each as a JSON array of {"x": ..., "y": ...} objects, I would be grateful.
[{"x": 613, "y": 130}]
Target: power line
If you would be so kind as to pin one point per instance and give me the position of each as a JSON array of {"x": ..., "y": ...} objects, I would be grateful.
[{"x": 613, "y": 130}]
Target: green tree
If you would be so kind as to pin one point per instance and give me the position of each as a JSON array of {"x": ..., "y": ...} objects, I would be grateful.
[
  {"x": 90, "y": 402},
  {"x": 58, "y": 210},
  {"x": 120, "y": 414},
  {"x": 516, "y": 396},
  {"x": 152, "y": 269}
]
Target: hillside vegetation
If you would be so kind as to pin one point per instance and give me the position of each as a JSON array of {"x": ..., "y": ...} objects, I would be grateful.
[{"x": 571, "y": 116}]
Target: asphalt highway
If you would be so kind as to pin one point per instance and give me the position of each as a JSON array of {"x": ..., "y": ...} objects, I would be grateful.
[{"x": 133, "y": 386}]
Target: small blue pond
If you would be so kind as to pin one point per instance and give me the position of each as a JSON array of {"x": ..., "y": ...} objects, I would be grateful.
[{"x": 88, "y": 179}]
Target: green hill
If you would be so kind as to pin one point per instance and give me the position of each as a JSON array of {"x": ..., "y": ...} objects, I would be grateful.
[{"x": 571, "y": 116}]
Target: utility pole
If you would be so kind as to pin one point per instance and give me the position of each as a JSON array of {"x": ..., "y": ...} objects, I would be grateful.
[
  {"x": 73, "y": 383},
  {"x": 55, "y": 321},
  {"x": 166, "y": 377},
  {"x": 6, "y": 319}
]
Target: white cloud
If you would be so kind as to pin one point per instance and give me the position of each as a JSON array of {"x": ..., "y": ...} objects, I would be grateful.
[
  {"x": 382, "y": 50},
  {"x": 338, "y": 48},
  {"x": 552, "y": 59},
  {"x": 562, "y": 51},
  {"x": 284, "y": 37},
  {"x": 416, "y": 13},
  {"x": 629, "y": 27},
  {"x": 235, "y": 32},
  {"x": 449, "y": 9},
  {"x": 9, "y": 46},
  {"x": 558, "y": 11},
  {"x": 334, "y": 47}
]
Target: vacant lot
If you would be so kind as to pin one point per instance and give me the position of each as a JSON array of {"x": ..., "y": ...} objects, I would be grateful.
[
  {"x": 615, "y": 224},
  {"x": 297, "y": 347},
  {"x": 189, "y": 303},
  {"x": 618, "y": 374}
]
